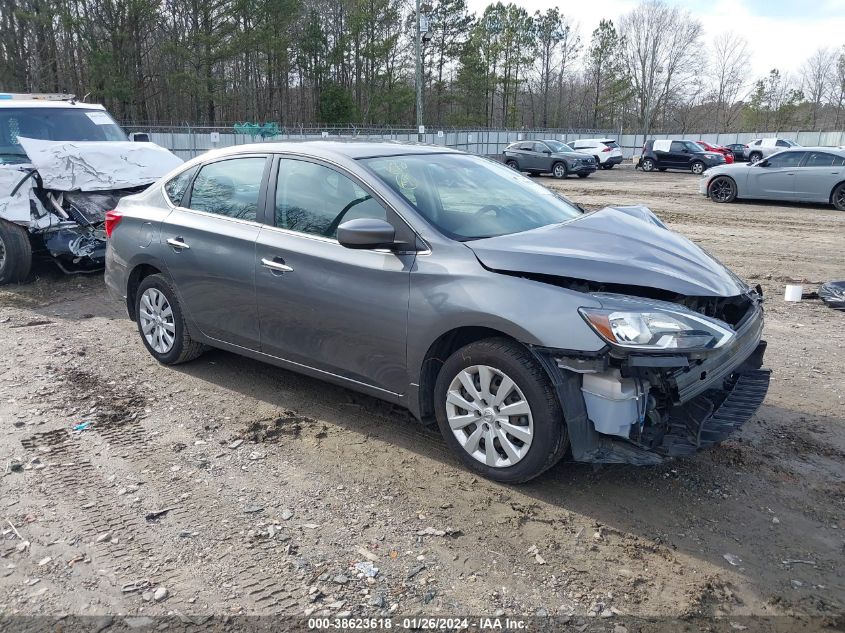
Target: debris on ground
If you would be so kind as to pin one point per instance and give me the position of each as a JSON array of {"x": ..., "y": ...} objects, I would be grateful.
[{"x": 833, "y": 294}]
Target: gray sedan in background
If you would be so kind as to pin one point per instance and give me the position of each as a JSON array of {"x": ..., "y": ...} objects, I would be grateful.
[
  {"x": 548, "y": 157},
  {"x": 523, "y": 326},
  {"x": 805, "y": 174}
]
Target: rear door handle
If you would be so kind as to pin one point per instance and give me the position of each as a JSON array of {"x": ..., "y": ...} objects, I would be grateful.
[
  {"x": 276, "y": 265},
  {"x": 177, "y": 243}
]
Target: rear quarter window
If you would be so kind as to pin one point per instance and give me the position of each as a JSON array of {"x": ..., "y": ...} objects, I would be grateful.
[
  {"x": 176, "y": 187},
  {"x": 611, "y": 144}
]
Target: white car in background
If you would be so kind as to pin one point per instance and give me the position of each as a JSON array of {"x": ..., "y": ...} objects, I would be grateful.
[{"x": 606, "y": 151}]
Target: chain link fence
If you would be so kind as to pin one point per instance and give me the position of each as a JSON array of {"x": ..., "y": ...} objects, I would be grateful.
[{"x": 187, "y": 141}]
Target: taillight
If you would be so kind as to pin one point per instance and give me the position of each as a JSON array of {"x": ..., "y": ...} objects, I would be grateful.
[
  {"x": 113, "y": 218},
  {"x": 607, "y": 149}
]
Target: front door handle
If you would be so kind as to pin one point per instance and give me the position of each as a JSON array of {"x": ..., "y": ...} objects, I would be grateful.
[
  {"x": 177, "y": 243},
  {"x": 276, "y": 266}
]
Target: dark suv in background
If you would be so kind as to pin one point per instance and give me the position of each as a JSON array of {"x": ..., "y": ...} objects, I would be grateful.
[
  {"x": 548, "y": 157},
  {"x": 686, "y": 155}
]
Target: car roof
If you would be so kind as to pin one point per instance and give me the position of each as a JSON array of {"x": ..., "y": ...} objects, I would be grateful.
[
  {"x": 818, "y": 148},
  {"x": 347, "y": 148},
  {"x": 43, "y": 103}
]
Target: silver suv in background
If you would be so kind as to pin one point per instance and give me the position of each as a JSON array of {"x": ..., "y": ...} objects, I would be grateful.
[
  {"x": 523, "y": 326},
  {"x": 606, "y": 151},
  {"x": 764, "y": 147}
]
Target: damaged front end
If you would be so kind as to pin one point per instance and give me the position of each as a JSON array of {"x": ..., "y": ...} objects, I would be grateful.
[
  {"x": 68, "y": 226},
  {"x": 674, "y": 378},
  {"x": 63, "y": 189}
]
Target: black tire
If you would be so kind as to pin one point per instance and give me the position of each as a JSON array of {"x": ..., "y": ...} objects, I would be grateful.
[
  {"x": 722, "y": 189},
  {"x": 550, "y": 440},
  {"x": 661, "y": 169},
  {"x": 647, "y": 164},
  {"x": 559, "y": 170},
  {"x": 512, "y": 164},
  {"x": 838, "y": 196},
  {"x": 184, "y": 348},
  {"x": 607, "y": 166},
  {"x": 583, "y": 175},
  {"x": 754, "y": 157},
  {"x": 697, "y": 167},
  {"x": 15, "y": 253}
]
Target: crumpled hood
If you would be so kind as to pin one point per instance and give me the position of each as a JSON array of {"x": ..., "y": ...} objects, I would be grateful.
[
  {"x": 618, "y": 245},
  {"x": 97, "y": 165}
]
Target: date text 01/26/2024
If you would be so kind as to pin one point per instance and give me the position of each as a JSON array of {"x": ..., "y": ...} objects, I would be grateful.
[{"x": 417, "y": 624}]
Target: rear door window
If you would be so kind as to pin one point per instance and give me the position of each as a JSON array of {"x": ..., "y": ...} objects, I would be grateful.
[
  {"x": 229, "y": 187},
  {"x": 823, "y": 159}
]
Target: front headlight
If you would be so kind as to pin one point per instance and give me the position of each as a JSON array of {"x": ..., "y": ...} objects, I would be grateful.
[{"x": 657, "y": 329}]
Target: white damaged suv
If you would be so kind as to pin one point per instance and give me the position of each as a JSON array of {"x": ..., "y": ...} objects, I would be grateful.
[{"x": 63, "y": 164}]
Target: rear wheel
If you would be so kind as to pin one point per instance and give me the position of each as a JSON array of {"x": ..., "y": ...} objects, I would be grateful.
[
  {"x": 559, "y": 170},
  {"x": 754, "y": 157},
  {"x": 513, "y": 165},
  {"x": 583, "y": 175},
  {"x": 647, "y": 164},
  {"x": 498, "y": 412},
  {"x": 15, "y": 253},
  {"x": 607, "y": 166},
  {"x": 838, "y": 197},
  {"x": 697, "y": 167},
  {"x": 722, "y": 189},
  {"x": 161, "y": 323}
]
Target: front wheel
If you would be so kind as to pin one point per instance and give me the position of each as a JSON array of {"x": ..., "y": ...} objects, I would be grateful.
[
  {"x": 15, "y": 253},
  {"x": 498, "y": 412},
  {"x": 838, "y": 197},
  {"x": 754, "y": 157},
  {"x": 697, "y": 168},
  {"x": 161, "y": 323},
  {"x": 722, "y": 189},
  {"x": 513, "y": 165},
  {"x": 647, "y": 164},
  {"x": 559, "y": 170},
  {"x": 583, "y": 175}
]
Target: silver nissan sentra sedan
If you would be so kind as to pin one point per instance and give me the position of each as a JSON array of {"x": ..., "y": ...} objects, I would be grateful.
[{"x": 526, "y": 327}]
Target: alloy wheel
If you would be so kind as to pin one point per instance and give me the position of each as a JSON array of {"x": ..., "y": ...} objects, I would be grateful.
[
  {"x": 721, "y": 190},
  {"x": 697, "y": 168},
  {"x": 157, "y": 323},
  {"x": 648, "y": 164},
  {"x": 489, "y": 416},
  {"x": 2, "y": 253},
  {"x": 838, "y": 202},
  {"x": 560, "y": 172}
]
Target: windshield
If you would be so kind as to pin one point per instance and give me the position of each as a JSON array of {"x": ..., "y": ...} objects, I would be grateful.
[
  {"x": 693, "y": 147},
  {"x": 557, "y": 146},
  {"x": 53, "y": 124},
  {"x": 469, "y": 197}
]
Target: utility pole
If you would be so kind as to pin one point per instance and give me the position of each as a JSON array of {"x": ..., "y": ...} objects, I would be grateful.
[{"x": 419, "y": 76}]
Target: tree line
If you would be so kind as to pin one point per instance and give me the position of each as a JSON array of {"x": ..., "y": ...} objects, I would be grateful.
[{"x": 215, "y": 62}]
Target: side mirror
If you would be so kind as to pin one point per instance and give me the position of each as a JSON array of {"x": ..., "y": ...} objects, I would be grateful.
[
  {"x": 139, "y": 137},
  {"x": 366, "y": 233},
  {"x": 762, "y": 163}
]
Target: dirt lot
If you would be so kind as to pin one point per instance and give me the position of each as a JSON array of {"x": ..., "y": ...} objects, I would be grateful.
[{"x": 234, "y": 487}]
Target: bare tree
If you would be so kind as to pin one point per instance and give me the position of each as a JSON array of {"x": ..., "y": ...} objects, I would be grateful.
[
  {"x": 660, "y": 53},
  {"x": 728, "y": 72},
  {"x": 817, "y": 73}
]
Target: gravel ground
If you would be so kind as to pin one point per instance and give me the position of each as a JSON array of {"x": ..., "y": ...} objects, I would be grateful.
[{"x": 230, "y": 487}]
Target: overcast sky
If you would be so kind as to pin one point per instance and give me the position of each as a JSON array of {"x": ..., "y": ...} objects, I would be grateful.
[{"x": 781, "y": 33}]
